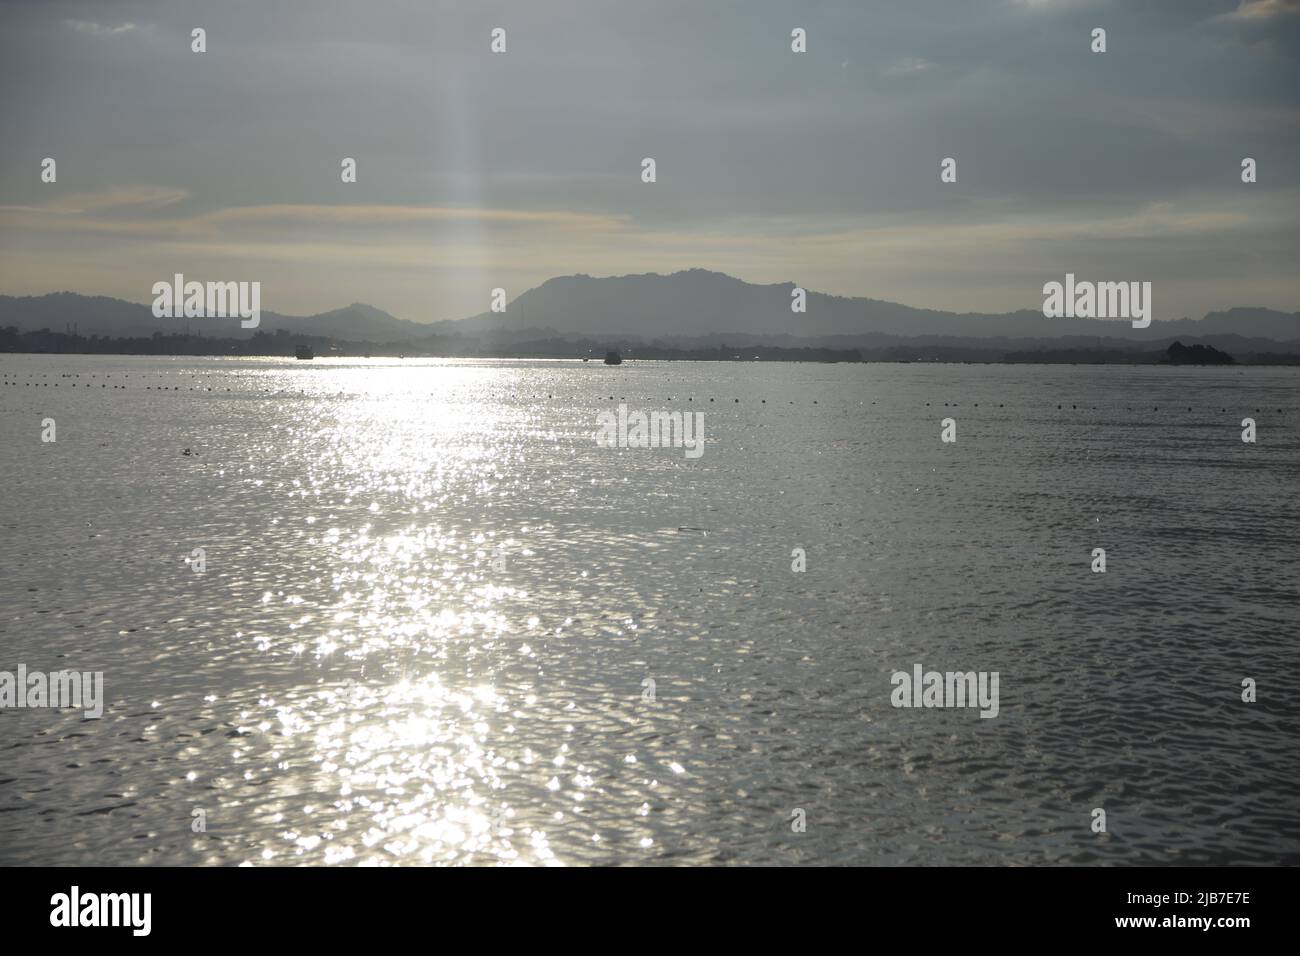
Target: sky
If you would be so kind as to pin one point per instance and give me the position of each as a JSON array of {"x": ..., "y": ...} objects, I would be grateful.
[{"x": 478, "y": 170}]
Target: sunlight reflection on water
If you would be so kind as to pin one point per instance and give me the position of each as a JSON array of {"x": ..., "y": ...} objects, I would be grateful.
[{"x": 433, "y": 606}]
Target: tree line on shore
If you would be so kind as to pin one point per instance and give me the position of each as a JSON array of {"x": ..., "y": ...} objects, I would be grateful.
[{"x": 285, "y": 344}]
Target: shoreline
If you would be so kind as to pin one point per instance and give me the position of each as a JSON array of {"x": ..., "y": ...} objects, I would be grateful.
[{"x": 1065, "y": 357}]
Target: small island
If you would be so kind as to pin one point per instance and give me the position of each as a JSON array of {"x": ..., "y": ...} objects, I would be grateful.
[{"x": 1180, "y": 354}]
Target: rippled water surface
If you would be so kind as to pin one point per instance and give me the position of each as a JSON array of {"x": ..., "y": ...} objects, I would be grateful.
[{"x": 432, "y": 607}]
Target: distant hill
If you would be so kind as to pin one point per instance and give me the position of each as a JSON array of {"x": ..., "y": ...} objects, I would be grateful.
[
  {"x": 99, "y": 315},
  {"x": 695, "y": 308},
  {"x": 357, "y": 319},
  {"x": 698, "y": 302}
]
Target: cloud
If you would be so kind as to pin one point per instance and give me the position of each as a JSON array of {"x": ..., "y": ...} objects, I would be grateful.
[
  {"x": 131, "y": 211},
  {"x": 75, "y": 204},
  {"x": 384, "y": 214},
  {"x": 1054, "y": 4},
  {"x": 907, "y": 65},
  {"x": 98, "y": 29},
  {"x": 1264, "y": 9}
]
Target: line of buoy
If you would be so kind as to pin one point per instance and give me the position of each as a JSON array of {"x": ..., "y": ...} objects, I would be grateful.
[{"x": 6, "y": 380}]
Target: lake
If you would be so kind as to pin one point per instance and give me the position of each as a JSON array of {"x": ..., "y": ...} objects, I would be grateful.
[{"x": 413, "y": 612}]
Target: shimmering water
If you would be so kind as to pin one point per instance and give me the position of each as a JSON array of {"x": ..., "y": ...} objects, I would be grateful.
[{"x": 431, "y": 605}]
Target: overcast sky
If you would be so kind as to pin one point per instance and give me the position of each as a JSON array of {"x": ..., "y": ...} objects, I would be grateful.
[{"x": 478, "y": 170}]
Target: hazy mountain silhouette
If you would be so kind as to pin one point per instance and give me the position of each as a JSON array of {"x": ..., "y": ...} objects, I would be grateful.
[
  {"x": 698, "y": 302},
  {"x": 695, "y": 305},
  {"x": 99, "y": 315}
]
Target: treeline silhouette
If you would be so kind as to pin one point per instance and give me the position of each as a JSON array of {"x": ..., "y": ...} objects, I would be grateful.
[
  {"x": 284, "y": 344},
  {"x": 1180, "y": 354}
]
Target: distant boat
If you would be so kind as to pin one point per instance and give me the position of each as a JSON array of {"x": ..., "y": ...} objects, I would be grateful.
[
  {"x": 613, "y": 358},
  {"x": 303, "y": 352}
]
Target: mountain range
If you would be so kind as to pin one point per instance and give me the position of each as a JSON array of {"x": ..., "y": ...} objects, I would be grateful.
[{"x": 692, "y": 307}]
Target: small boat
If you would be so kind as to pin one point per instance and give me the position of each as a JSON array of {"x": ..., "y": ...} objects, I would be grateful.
[
  {"x": 303, "y": 352},
  {"x": 613, "y": 358}
]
